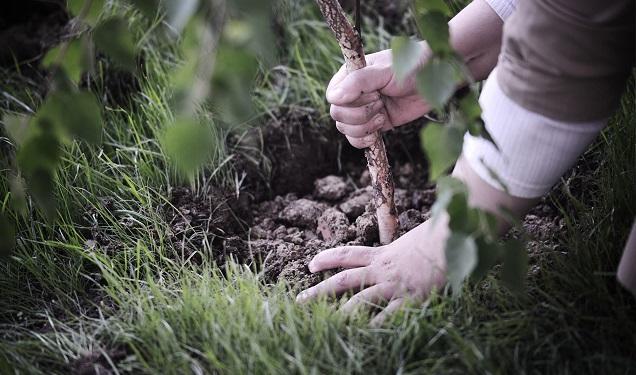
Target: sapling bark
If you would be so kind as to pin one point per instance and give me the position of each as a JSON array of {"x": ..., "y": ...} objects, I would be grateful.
[{"x": 381, "y": 178}]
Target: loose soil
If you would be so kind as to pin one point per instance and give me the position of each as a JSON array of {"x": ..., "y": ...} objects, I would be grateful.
[{"x": 317, "y": 196}]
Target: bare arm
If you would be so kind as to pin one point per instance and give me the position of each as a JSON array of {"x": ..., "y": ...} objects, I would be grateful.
[{"x": 475, "y": 34}]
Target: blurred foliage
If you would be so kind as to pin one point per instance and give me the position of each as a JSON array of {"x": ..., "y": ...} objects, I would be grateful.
[
  {"x": 473, "y": 246},
  {"x": 406, "y": 55},
  {"x": 112, "y": 38},
  {"x": 222, "y": 45}
]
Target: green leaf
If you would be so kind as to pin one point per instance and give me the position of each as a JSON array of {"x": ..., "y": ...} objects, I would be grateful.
[
  {"x": 447, "y": 188},
  {"x": 437, "y": 81},
  {"x": 184, "y": 77},
  {"x": 38, "y": 158},
  {"x": 18, "y": 194},
  {"x": 406, "y": 56},
  {"x": 433, "y": 27},
  {"x": 462, "y": 217},
  {"x": 189, "y": 145},
  {"x": 148, "y": 8},
  {"x": 232, "y": 83},
  {"x": 515, "y": 265},
  {"x": 488, "y": 253},
  {"x": 77, "y": 113},
  {"x": 41, "y": 184},
  {"x": 41, "y": 151},
  {"x": 92, "y": 14},
  {"x": 114, "y": 38},
  {"x": 461, "y": 259},
  {"x": 17, "y": 126},
  {"x": 442, "y": 145},
  {"x": 7, "y": 236},
  {"x": 469, "y": 107},
  {"x": 74, "y": 61},
  {"x": 425, "y": 6}
]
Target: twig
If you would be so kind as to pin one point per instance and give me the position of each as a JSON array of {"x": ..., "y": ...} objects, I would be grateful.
[{"x": 381, "y": 178}]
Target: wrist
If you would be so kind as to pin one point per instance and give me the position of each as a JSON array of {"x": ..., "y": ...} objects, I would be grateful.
[{"x": 483, "y": 195}]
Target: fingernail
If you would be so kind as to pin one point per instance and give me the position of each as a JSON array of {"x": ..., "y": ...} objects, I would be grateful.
[
  {"x": 379, "y": 119},
  {"x": 312, "y": 267}
]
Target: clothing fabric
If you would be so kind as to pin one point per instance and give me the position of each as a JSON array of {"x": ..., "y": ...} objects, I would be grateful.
[
  {"x": 503, "y": 8},
  {"x": 533, "y": 151},
  {"x": 567, "y": 59},
  {"x": 561, "y": 73}
]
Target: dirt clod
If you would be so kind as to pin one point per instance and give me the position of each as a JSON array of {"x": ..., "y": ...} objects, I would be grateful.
[
  {"x": 333, "y": 225},
  {"x": 331, "y": 188},
  {"x": 302, "y": 212},
  {"x": 409, "y": 219},
  {"x": 355, "y": 204},
  {"x": 367, "y": 228}
]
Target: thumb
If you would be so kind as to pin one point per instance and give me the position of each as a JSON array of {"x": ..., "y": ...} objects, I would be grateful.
[{"x": 344, "y": 90}]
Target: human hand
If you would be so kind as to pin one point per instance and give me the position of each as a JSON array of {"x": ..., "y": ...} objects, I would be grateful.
[
  {"x": 371, "y": 99},
  {"x": 406, "y": 269}
]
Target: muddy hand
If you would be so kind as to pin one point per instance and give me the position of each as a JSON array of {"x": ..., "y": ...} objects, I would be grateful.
[
  {"x": 371, "y": 99},
  {"x": 407, "y": 269}
]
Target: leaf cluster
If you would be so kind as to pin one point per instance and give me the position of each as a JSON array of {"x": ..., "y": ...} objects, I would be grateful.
[
  {"x": 473, "y": 247},
  {"x": 221, "y": 44}
]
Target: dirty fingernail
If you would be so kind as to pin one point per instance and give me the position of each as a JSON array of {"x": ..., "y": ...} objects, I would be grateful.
[{"x": 379, "y": 119}]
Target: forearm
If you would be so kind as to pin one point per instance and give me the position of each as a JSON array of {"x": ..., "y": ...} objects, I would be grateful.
[{"x": 475, "y": 34}]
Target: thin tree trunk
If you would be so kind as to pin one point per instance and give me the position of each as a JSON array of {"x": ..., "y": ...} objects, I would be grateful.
[{"x": 381, "y": 178}]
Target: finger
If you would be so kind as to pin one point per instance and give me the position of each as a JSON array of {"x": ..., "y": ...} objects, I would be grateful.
[
  {"x": 338, "y": 77},
  {"x": 344, "y": 256},
  {"x": 370, "y": 296},
  {"x": 359, "y": 82},
  {"x": 363, "y": 142},
  {"x": 359, "y": 131},
  {"x": 337, "y": 284},
  {"x": 364, "y": 99},
  {"x": 356, "y": 115},
  {"x": 392, "y": 307}
]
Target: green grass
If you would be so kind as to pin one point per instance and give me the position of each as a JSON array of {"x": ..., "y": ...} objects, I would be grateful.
[{"x": 140, "y": 306}]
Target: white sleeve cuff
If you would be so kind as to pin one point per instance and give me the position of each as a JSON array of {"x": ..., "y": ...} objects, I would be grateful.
[
  {"x": 503, "y": 8},
  {"x": 534, "y": 150}
]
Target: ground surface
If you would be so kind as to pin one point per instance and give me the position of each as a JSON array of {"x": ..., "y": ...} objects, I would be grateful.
[{"x": 134, "y": 275}]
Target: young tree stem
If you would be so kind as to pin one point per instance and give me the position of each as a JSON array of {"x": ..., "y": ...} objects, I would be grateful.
[{"x": 381, "y": 178}]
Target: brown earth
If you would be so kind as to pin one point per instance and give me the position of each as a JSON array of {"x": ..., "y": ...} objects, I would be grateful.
[
  {"x": 316, "y": 195},
  {"x": 309, "y": 204}
]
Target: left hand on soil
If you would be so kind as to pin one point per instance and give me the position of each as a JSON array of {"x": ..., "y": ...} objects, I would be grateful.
[{"x": 407, "y": 269}]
